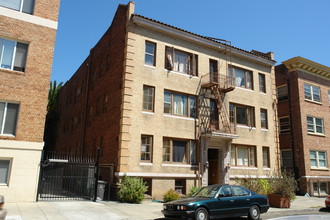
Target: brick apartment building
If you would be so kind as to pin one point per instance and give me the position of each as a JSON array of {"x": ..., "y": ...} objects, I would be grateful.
[
  {"x": 303, "y": 89},
  {"x": 175, "y": 108},
  {"x": 27, "y": 37}
]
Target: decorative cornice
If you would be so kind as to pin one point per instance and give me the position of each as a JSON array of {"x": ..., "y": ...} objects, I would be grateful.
[
  {"x": 151, "y": 24},
  {"x": 305, "y": 65}
]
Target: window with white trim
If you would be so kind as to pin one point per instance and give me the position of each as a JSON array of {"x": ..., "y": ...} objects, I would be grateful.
[
  {"x": 150, "y": 54},
  {"x": 148, "y": 98},
  {"x": 312, "y": 93},
  {"x": 25, "y": 6},
  {"x": 243, "y": 155},
  {"x": 315, "y": 125},
  {"x": 320, "y": 188},
  {"x": 4, "y": 171},
  {"x": 12, "y": 55},
  {"x": 318, "y": 159},
  {"x": 262, "y": 83},
  {"x": 282, "y": 93},
  {"x": 243, "y": 78},
  {"x": 179, "y": 151},
  {"x": 8, "y": 118},
  {"x": 264, "y": 118}
]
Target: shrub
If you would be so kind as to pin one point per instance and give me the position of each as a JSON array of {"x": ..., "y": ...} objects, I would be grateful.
[
  {"x": 132, "y": 190},
  {"x": 193, "y": 190},
  {"x": 260, "y": 185},
  {"x": 285, "y": 184},
  {"x": 171, "y": 195}
]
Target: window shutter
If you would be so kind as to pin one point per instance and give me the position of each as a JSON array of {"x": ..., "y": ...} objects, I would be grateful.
[{"x": 169, "y": 58}]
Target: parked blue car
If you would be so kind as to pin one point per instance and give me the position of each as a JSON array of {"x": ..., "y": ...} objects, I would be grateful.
[{"x": 218, "y": 201}]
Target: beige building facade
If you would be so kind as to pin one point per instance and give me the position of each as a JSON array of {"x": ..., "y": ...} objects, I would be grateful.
[
  {"x": 191, "y": 110},
  {"x": 27, "y": 38}
]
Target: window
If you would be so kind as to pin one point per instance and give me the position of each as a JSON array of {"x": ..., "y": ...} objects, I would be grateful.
[
  {"x": 239, "y": 191},
  {"x": 320, "y": 188},
  {"x": 179, "y": 104},
  {"x": 181, "y": 61},
  {"x": 214, "y": 114},
  {"x": 264, "y": 118},
  {"x": 312, "y": 93},
  {"x": 282, "y": 93},
  {"x": 179, "y": 151},
  {"x": 287, "y": 160},
  {"x": 214, "y": 71},
  {"x": 262, "y": 83},
  {"x": 4, "y": 171},
  {"x": 243, "y": 155},
  {"x": 243, "y": 78},
  {"x": 243, "y": 115},
  {"x": 146, "y": 148},
  {"x": 148, "y": 98},
  {"x": 150, "y": 54},
  {"x": 265, "y": 157},
  {"x": 315, "y": 125},
  {"x": 284, "y": 125},
  {"x": 25, "y": 6},
  {"x": 318, "y": 159},
  {"x": 8, "y": 118},
  {"x": 180, "y": 186},
  {"x": 12, "y": 55}
]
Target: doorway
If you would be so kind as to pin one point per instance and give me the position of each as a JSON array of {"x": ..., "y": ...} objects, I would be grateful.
[{"x": 213, "y": 170}]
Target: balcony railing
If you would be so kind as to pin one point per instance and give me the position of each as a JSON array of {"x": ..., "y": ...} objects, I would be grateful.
[{"x": 214, "y": 78}]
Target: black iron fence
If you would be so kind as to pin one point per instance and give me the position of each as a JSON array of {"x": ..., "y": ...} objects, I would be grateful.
[{"x": 66, "y": 176}]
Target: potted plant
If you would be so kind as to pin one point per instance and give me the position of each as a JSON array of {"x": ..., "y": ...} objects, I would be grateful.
[{"x": 282, "y": 190}]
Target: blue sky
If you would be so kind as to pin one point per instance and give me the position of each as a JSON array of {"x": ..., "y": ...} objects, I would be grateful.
[{"x": 289, "y": 28}]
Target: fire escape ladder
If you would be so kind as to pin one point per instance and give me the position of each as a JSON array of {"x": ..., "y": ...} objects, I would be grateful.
[{"x": 223, "y": 116}]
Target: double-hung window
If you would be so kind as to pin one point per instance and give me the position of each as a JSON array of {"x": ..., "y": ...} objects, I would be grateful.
[
  {"x": 146, "y": 148},
  {"x": 12, "y": 55},
  {"x": 265, "y": 157},
  {"x": 284, "y": 125},
  {"x": 179, "y": 151},
  {"x": 287, "y": 158},
  {"x": 264, "y": 118},
  {"x": 25, "y": 6},
  {"x": 242, "y": 78},
  {"x": 243, "y": 155},
  {"x": 262, "y": 83},
  {"x": 241, "y": 114},
  {"x": 315, "y": 125},
  {"x": 8, "y": 118},
  {"x": 312, "y": 93},
  {"x": 4, "y": 171},
  {"x": 181, "y": 61},
  {"x": 150, "y": 54},
  {"x": 318, "y": 159},
  {"x": 179, "y": 104},
  {"x": 148, "y": 98},
  {"x": 282, "y": 93}
]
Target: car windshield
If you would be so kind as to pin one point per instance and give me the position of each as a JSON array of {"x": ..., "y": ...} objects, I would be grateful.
[{"x": 209, "y": 191}]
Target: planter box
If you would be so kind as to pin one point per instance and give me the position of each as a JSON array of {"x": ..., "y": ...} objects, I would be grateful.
[{"x": 279, "y": 201}]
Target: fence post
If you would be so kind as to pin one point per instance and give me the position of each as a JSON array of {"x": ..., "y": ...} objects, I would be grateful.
[
  {"x": 39, "y": 187},
  {"x": 96, "y": 173}
]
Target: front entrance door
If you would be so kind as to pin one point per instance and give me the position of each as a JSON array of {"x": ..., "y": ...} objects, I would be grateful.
[{"x": 213, "y": 170}]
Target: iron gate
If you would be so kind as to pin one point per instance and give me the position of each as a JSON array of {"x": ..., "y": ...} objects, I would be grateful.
[{"x": 65, "y": 176}]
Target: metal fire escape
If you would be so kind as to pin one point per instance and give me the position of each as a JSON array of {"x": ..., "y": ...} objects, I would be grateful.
[{"x": 214, "y": 86}]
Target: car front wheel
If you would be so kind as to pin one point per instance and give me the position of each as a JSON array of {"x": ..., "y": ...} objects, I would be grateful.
[
  {"x": 201, "y": 214},
  {"x": 254, "y": 213}
]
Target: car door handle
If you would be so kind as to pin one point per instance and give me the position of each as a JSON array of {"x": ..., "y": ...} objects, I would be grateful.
[
  {"x": 247, "y": 199},
  {"x": 232, "y": 200}
]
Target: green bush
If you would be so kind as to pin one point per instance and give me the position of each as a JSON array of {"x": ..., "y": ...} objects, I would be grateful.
[
  {"x": 285, "y": 184},
  {"x": 259, "y": 185},
  {"x": 132, "y": 190},
  {"x": 171, "y": 195},
  {"x": 193, "y": 190}
]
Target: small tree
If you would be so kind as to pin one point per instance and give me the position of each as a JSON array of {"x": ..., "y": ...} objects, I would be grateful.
[
  {"x": 171, "y": 195},
  {"x": 132, "y": 190}
]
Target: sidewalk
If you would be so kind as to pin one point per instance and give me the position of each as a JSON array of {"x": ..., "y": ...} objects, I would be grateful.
[{"x": 80, "y": 210}]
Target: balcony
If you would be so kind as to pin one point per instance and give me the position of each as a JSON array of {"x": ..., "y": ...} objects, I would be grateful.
[{"x": 224, "y": 83}]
